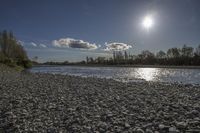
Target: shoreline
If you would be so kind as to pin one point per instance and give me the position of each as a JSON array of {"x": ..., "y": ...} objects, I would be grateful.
[
  {"x": 136, "y": 81},
  {"x": 35, "y": 102},
  {"x": 133, "y": 66}
]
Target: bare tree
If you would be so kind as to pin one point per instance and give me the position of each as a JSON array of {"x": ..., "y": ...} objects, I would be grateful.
[
  {"x": 187, "y": 51},
  {"x": 161, "y": 54}
]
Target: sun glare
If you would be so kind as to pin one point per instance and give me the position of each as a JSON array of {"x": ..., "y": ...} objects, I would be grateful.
[
  {"x": 148, "y": 74},
  {"x": 147, "y": 22}
]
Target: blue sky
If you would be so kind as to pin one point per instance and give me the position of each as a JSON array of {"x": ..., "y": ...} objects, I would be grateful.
[{"x": 79, "y": 25}]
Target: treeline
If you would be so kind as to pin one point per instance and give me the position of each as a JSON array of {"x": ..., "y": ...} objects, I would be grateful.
[
  {"x": 12, "y": 52},
  {"x": 174, "y": 56},
  {"x": 56, "y": 63}
]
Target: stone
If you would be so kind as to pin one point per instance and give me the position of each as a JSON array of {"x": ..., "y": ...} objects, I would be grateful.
[
  {"x": 172, "y": 130},
  {"x": 194, "y": 112},
  {"x": 102, "y": 125},
  {"x": 161, "y": 126},
  {"x": 127, "y": 125},
  {"x": 148, "y": 125},
  {"x": 148, "y": 131},
  {"x": 138, "y": 130},
  {"x": 181, "y": 125}
]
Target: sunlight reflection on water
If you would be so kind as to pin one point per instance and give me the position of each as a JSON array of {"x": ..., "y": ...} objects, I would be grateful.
[
  {"x": 148, "y": 74},
  {"x": 127, "y": 74}
]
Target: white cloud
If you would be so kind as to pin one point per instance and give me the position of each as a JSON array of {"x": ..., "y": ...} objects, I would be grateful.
[
  {"x": 33, "y": 44},
  {"x": 42, "y": 45},
  {"x": 73, "y": 43},
  {"x": 115, "y": 46},
  {"x": 20, "y": 42}
]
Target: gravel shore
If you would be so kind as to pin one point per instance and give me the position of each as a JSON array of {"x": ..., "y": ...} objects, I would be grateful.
[{"x": 57, "y": 103}]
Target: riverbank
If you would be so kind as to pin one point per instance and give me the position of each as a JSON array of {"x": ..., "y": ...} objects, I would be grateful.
[
  {"x": 7, "y": 68},
  {"x": 58, "y": 103},
  {"x": 134, "y": 66}
]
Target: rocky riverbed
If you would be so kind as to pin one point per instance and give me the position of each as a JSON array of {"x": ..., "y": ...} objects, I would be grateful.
[{"x": 57, "y": 103}]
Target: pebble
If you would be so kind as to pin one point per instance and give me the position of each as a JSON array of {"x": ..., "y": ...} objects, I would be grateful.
[
  {"x": 148, "y": 131},
  {"x": 139, "y": 130},
  {"x": 161, "y": 126},
  {"x": 46, "y": 102},
  {"x": 181, "y": 124},
  {"x": 127, "y": 125},
  {"x": 172, "y": 130}
]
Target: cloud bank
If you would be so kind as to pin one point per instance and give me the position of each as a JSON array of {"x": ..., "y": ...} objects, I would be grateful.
[
  {"x": 115, "y": 46},
  {"x": 73, "y": 43},
  {"x": 77, "y": 44}
]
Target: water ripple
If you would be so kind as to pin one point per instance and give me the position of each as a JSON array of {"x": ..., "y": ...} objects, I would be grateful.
[{"x": 127, "y": 74}]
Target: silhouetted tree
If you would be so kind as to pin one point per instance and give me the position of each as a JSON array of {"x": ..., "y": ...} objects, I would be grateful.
[
  {"x": 187, "y": 51},
  {"x": 173, "y": 53},
  {"x": 197, "y": 52},
  {"x": 12, "y": 50},
  {"x": 173, "y": 56},
  {"x": 87, "y": 59},
  {"x": 161, "y": 54},
  {"x": 125, "y": 55}
]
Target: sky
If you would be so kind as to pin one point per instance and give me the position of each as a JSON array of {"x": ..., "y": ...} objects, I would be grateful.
[{"x": 59, "y": 30}]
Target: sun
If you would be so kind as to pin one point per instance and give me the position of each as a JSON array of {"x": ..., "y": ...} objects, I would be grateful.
[{"x": 147, "y": 22}]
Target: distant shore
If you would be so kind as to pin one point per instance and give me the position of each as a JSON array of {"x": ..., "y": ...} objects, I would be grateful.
[
  {"x": 140, "y": 66},
  {"x": 60, "y": 103}
]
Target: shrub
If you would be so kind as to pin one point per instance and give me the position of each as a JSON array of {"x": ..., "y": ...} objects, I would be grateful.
[{"x": 24, "y": 63}]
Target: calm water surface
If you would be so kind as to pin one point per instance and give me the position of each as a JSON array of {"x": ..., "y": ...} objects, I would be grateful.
[{"x": 127, "y": 74}]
